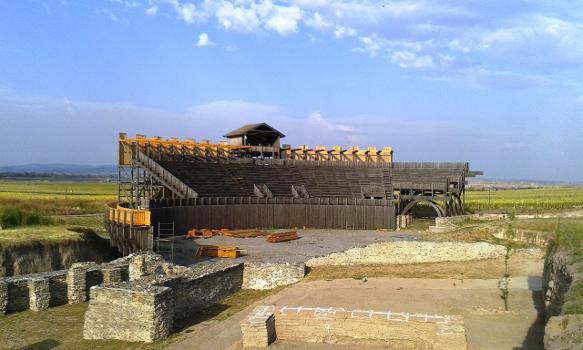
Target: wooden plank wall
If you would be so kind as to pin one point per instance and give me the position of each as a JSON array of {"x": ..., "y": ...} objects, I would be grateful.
[
  {"x": 271, "y": 215},
  {"x": 128, "y": 239}
]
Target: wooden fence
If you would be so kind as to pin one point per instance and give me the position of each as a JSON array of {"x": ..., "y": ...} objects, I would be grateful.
[{"x": 249, "y": 212}]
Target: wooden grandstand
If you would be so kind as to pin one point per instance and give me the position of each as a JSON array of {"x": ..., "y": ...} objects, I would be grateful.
[{"x": 252, "y": 181}]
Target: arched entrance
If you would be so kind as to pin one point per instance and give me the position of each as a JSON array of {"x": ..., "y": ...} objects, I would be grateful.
[{"x": 433, "y": 204}]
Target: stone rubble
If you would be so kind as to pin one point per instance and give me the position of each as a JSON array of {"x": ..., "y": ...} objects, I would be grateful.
[
  {"x": 411, "y": 252},
  {"x": 262, "y": 276}
]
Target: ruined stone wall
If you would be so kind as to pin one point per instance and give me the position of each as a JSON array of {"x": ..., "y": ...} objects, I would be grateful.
[
  {"x": 263, "y": 276},
  {"x": 411, "y": 252},
  {"x": 561, "y": 273},
  {"x": 200, "y": 289},
  {"x": 40, "y": 291},
  {"x": 155, "y": 302},
  {"x": 129, "y": 313},
  {"x": 355, "y": 328}
]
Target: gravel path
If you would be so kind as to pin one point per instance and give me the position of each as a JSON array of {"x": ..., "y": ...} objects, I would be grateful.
[{"x": 312, "y": 243}]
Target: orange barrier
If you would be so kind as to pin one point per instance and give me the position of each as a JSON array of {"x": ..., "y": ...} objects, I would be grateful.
[{"x": 126, "y": 216}]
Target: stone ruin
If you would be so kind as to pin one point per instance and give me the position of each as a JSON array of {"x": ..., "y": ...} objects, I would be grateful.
[
  {"x": 396, "y": 330},
  {"x": 159, "y": 295},
  {"x": 146, "y": 309},
  {"x": 140, "y": 297},
  {"x": 40, "y": 291}
]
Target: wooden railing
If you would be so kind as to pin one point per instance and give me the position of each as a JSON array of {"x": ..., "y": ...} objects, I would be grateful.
[{"x": 126, "y": 216}]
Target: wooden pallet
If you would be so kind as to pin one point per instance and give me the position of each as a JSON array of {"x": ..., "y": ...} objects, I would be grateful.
[
  {"x": 282, "y": 236},
  {"x": 218, "y": 251},
  {"x": 242, "y": 233}
]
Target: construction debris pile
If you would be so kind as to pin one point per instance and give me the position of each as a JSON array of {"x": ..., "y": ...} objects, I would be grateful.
[
  {"x": 249, "y": 233},
  {"x": 411, "y": 252}
]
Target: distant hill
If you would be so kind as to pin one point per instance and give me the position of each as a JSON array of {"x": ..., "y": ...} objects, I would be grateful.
[{"x": 61, "y": 169}]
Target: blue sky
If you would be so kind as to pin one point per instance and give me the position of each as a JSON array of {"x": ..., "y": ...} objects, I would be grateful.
[{"x": 497, "y": 83}]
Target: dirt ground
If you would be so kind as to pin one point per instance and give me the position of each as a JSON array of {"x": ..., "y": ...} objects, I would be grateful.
[
  {"x": 311, "y": 243},
  {"x": 488, "y": 325},
  {"x": 519, "y": 264}
]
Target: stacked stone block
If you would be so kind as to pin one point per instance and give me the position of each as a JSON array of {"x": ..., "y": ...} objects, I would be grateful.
[
  {"x": 130, "y": 313},
  {"x": 259, "y": 327},
  {"x": 77, "y": 282},
  {"x": 38, "y": 293},
  {"x": 145, "y": 264},
  {"x": 3, "y": 297},
  {"x": 112, "y": 275},
  {"x": 145, "y": 309}
]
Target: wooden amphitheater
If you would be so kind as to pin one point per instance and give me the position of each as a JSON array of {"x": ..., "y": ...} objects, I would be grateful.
[{"x": 251, "y": 180}]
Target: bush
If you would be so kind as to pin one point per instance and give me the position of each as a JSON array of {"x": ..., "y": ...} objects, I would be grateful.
[{"x": 12, "y": 217}]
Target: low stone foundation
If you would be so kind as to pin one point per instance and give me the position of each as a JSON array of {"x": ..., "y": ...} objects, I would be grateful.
[
  {"x": 271, "y": 275},
  {"x": 355, "y": 327},
  {"x": 403, "y": 221},
  {"x": 411, "y": 253},
  {"x": 147, "y": 308},
  {"x": 48, "y": 289}
]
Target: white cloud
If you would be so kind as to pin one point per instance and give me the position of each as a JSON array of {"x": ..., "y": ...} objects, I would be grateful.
[
  {"x": 284, "y": 20},
  {"x": 316, "y": 119},
  {"x": 436, "y": 37},
  {"x": 237, "y": 18},
  {"x": 318, "y": 22},
  {"x": 203, "y": 40},
  {"x": 187, "y": 11},
  {"x": 151, "y": 11},
  {"x": 130, "y": 4},
  {"x": 371, "y": 44},
  {"x": 343, "y": 32},
  {"x": 408, "y": 59},
  {"x": 541, "y": 41}
]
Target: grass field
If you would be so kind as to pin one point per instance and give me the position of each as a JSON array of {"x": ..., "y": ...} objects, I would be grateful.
[
  {"x": 37, "y": 233},
  {"x": 64, "y": 198},
  {"x": 538, "y": 199},
  {"x": 56, "y": 198}
]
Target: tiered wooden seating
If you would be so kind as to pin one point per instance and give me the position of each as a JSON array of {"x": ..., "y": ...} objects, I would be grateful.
[{"x": 240, "y": 180}]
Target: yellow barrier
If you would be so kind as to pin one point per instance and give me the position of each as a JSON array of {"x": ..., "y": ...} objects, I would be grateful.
[{"x": 128, "y": 217}]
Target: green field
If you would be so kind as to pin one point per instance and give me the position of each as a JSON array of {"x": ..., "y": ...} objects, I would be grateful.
[
  {"x": 37, "y": 233},
  {"x": 525, "y": 199},
  {"x": 56, "y": 198},
  {"x": 61, "y": 198}
]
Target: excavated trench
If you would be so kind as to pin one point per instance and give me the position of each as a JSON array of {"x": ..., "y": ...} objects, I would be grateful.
[{"x": 40, "y": 256}]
